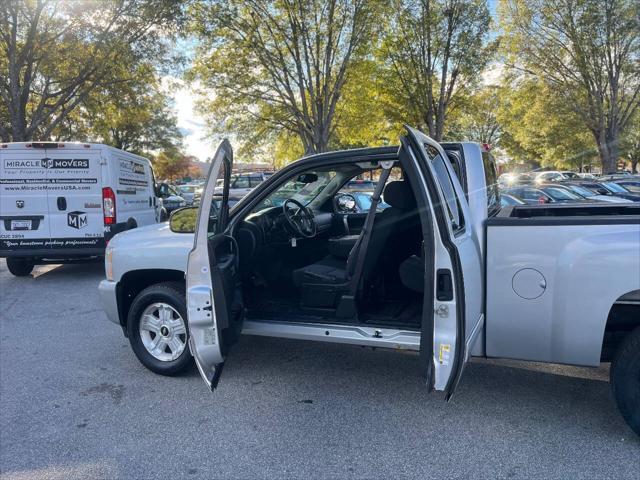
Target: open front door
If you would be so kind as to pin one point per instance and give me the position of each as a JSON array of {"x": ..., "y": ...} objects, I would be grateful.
[
  {"x": 214, "y": 298},
  {"x": 457, "y": 316}
]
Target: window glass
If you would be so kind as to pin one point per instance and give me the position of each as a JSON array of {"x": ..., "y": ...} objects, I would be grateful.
[
  {"x": 446, "y": 186},
  {"x": 560, "y": 194},
  {"x": 255, "y": 180},
  {"x": 615, "y": 188},
  {"x": 491, "y": 179},
  {"x": 585, "y": 192},
  {"x": 298, "y": 188}
]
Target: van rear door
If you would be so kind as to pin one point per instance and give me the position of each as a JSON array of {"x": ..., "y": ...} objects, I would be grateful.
[
  {"x": 75, "y": 197},
  {"x": 24, "y": 210}
]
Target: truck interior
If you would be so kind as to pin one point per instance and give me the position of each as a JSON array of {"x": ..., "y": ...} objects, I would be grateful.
[{"x": 337, "y": 244}]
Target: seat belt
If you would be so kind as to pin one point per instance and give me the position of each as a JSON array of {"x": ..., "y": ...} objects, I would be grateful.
[{"x": 360, "y": 247}]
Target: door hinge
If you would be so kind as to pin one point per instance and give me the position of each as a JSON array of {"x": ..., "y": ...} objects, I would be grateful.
[{"x": 442, "y": 311}]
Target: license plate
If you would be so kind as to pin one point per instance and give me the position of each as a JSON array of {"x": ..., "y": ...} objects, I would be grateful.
[{"x": 20, "y": 224}]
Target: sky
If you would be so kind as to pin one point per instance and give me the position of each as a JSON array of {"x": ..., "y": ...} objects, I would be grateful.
[{"x": 192, "y": 124}]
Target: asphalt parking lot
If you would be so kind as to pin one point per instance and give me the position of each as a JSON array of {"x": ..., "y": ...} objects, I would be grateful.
[{"x": 75, "y": 403}]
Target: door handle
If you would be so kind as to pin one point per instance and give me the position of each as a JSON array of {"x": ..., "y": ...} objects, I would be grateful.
[{"x": 62, "y": 203}]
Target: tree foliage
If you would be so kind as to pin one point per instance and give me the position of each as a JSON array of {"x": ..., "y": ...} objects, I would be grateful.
[
  {"x": 54, "y": 54},
  {"x": 433, "y": 49},
  {"x": 588, "y": 53},
  {"x": 539, "y": 127},
  {"x": 279, "y": 66}
]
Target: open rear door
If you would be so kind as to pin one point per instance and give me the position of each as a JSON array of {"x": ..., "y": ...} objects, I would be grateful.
[
  {"x": 457, "y": 269},
  {"x": 214, "y": 298}
]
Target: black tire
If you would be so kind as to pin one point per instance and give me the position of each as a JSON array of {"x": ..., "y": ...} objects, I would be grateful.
[
  {"x": 173, "y": 294},
  {"x": 20, "y": 267},
  {"x": 625, "y": 379}
]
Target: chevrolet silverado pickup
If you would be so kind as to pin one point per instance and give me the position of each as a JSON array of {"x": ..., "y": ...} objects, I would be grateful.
[{"x": 442, "y": 270}]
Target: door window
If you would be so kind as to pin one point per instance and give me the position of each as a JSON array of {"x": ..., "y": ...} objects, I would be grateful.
[
  {"x": 447, "y": 189},
  {"x": 491, "y": 180}
]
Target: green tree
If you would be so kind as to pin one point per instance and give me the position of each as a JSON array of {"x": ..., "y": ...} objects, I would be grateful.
[
  {"x": 631, "y": 144},
  {"x": 588, "y": 53},
  {"x": 279, "y": 66},
  {"x": 134, "y": 116},
  {"x": 433, "y": 51},
  {"x": 54, "y": 54},
  {"x": 476, "y": 118},
  {"x": 537, "y": 126}
]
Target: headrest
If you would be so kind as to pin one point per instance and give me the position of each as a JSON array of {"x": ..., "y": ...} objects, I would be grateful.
[{"x": 399, "y": 195}]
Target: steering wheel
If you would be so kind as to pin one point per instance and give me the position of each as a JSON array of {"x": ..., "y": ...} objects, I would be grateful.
[{"x": 299, "y": 217}]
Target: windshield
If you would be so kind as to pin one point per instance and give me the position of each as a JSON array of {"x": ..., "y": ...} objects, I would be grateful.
[
  {"x": 560, "y": 194},
  {"x": 302, "y": 188},
  {"x": 615, "y": 188},
  {"x": 585, "y": 192},
  {"x": 633, "y": 187}
]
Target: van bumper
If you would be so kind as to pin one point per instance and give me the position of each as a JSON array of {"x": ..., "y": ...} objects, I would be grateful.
[
  {"x": 55, "y": 254},
  {"x": 109, "y": 298}
]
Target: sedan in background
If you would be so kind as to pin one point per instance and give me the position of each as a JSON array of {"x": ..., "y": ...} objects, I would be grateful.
[
  {"x": 611, "y": 188},
  {"x": 528, "y": 194},
  {"x": 560, "y": 193},
  {"x": 592, "y": 196},
  {"x": 630, "y": 183},
  {"x": 507, "y": 200}
]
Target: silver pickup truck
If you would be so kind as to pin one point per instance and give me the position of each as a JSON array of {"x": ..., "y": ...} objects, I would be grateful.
[{"x": 435, "y": 266}]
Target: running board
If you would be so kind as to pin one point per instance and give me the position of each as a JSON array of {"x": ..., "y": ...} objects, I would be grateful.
[{"x": 367, "y": 336}]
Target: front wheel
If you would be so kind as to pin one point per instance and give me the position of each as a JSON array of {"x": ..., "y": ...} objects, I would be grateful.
[
  {"x": 157, "y": 328},
  {"x": 20, "y": 267},
  {"x": 625, "y": 379}
]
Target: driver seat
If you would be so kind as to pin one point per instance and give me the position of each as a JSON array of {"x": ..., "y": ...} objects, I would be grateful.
[{"x": 322, "y": 284}]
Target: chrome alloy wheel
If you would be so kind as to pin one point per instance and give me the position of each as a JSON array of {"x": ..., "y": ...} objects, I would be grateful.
[{"x": 163, "y": 331}]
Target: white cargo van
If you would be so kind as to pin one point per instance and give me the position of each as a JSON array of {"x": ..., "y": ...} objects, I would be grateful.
[{"x": 64, "y": 201}]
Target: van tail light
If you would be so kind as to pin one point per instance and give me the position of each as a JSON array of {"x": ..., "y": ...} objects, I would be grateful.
[{"x": 109, "y": 206}]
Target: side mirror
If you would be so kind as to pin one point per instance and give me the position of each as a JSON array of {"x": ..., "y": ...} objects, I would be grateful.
[
  {"x": 603, "y": 191},
  {"x": 184, "y": 220},
  {"x": 345, "y": 203}
]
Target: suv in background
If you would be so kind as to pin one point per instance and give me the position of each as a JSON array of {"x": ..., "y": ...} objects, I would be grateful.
[{"x": 243, "y": 183}]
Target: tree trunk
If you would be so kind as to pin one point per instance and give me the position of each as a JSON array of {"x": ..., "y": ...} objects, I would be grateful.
[
  {"x": 634, "y": 165},
  {"x": 608, "y": 151}
]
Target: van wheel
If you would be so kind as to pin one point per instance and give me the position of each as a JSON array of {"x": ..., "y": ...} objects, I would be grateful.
[
  {"x": 20, "y": 267},
  {"x": 625, "y": 379},
  {"x": 157, "y": 328}
]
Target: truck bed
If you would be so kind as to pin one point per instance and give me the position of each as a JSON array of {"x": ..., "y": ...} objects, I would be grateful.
[{"x": 574, "y": 214}]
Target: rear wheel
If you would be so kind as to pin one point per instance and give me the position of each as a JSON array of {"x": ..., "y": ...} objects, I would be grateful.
[
  {"x": 20, "y": 267},
  {"x": 625, "y": 379},
  {"x": 157, "y": 328}
]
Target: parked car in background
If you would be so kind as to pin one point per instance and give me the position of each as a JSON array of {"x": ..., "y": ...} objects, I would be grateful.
[
  {"x": 508, "y": 179},
  {"x": 615, "y": 176},
  {"x": 243, "y": 183},
  {"x": 550, "y": 176},
  {"x": 191, "y": 193},
  {"x": 507, "y": 200},
  {"x": 611, "y": 188},
  {"x": 590, "y": 195},
  {"x": 560, "y": 193},
  {"x": 529, "y": 194},
  {"x": 588, "y": 176},
  {"x": 632, "y": 184},
  {"x": 171, "y": 197}
]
